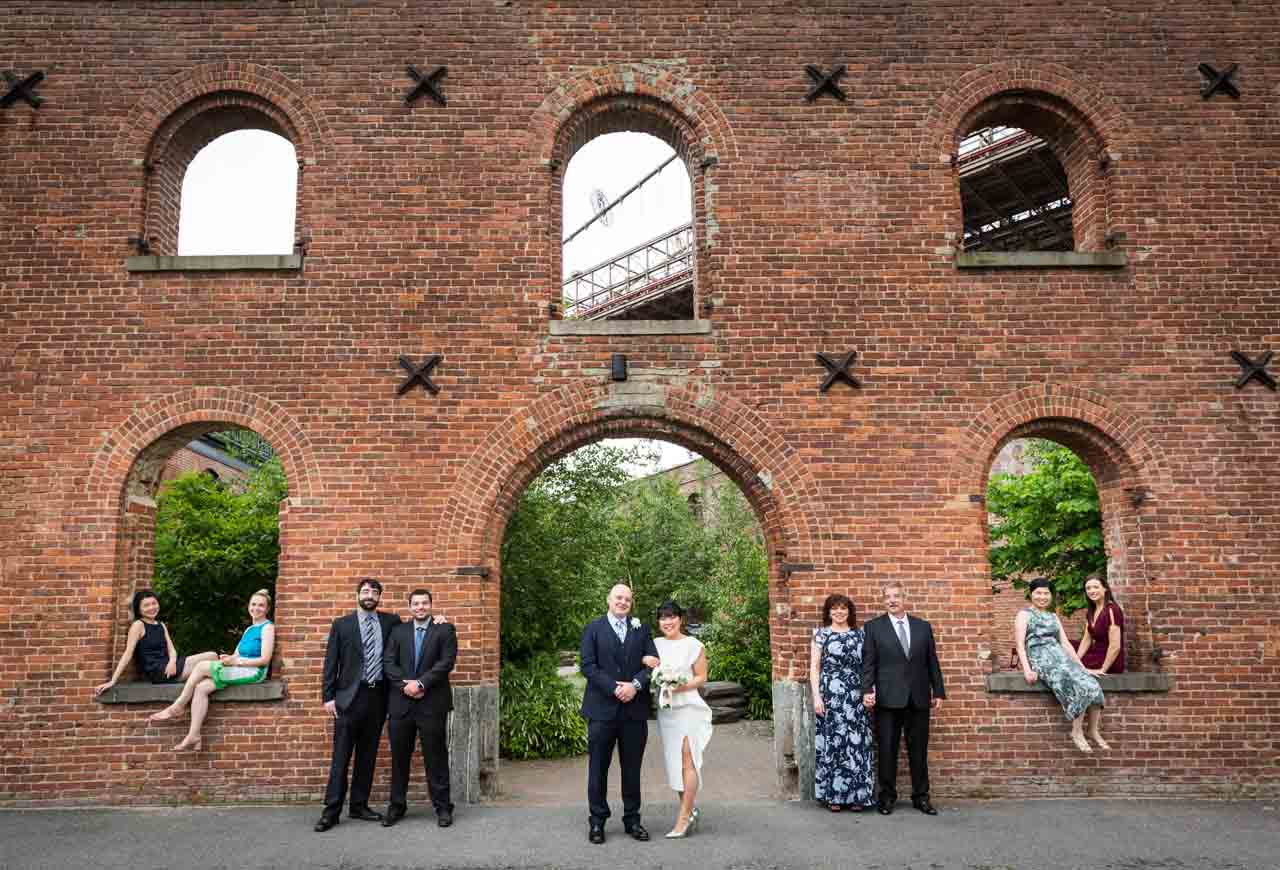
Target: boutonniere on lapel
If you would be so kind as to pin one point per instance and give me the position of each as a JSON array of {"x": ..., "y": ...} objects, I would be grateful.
[{"x": 635, "y": 623}]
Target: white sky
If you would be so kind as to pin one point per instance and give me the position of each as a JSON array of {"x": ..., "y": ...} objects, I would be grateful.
[{"x": 239, "y": 193}]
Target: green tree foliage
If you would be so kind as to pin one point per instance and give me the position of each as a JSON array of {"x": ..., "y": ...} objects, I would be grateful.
[
  {"x": 737, "y": 638},
  {"x": 583, "y": 525},
  {"x": 216, "y": 544},
  {"x": 1047, "y": 523},
  {"x": 559, "y": 552},
  {"x": 538, "y": 712}
]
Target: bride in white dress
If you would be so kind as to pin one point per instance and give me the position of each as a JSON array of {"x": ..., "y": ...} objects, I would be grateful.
[{"x": 684, "y": 719}]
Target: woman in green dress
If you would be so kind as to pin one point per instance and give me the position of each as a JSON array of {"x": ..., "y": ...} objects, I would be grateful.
[{"x": 1047, "y": 655}]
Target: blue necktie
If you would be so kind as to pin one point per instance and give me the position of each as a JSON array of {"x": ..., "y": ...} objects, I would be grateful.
[
  {"x": 620, "y": 629},
  {"x": 419, "y": 634}
]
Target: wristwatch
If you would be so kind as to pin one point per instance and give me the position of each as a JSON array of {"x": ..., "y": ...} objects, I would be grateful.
[{"x": 639, "y": 687}]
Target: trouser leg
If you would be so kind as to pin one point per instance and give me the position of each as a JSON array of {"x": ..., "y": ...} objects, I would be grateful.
[
  {"x": 344, "y": 740},
  {"x": 403, "y": 732},
  {"x": 888, "y": 736},
  {"x": 434, "y": 735},
  {"x": 917, "y": 729},
  {"x": 601, "y": 738},
  {"x": 633, "y": 734},
  {"x": 373, "y": 717}
]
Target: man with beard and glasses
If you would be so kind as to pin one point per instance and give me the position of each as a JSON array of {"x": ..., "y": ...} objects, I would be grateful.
[{"x": 355, "y": 695}]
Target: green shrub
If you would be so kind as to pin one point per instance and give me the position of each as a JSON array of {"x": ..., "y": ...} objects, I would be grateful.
[{"x": 539, "y": 712}]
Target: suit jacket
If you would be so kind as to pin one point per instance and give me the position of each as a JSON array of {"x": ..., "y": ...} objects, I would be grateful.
[
  {"x": 897, "y": 680},
  {"x": 439, "y": 653},
  {"x": 605, "y": 661},
  {"x": 344, "y": 657}
]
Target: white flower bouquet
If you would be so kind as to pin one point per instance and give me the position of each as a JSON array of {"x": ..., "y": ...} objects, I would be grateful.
[{"x": 668, "y": 680}]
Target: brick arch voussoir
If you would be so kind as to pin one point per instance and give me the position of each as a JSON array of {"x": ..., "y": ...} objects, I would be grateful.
[
  {"x": 512, "y": 453},
  {"x": 122, "y": 446},
  {"x": 149, "y": 114},
  {"x": 711, "y": 127},
  {"x": 1136, "y": 454},
  {"x": 1107, "y": 122}
]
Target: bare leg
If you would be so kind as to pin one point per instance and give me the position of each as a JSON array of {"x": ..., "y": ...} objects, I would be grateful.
[
  {"x": 689, "y": 773},
  {"x": 200, "y": 672},
  {"x": 199, "y": 708},
  {"x": 1095, "y": 723},
  {"x": 1077, "y": 734},
  {"x": 190, "y": 664}
]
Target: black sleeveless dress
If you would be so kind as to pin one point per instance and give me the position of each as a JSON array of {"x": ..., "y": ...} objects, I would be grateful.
[{"x": 152, "y": 654}]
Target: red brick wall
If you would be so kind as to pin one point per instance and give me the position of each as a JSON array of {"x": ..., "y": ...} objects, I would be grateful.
[{"x": 825, "y": 226}]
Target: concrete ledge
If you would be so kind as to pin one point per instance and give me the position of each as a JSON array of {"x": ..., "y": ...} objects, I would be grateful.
[
  {"x": 221, "y": 263},
  {"x": 1042, "y": 260},
  {"x": 630, "y": 327},
  {"x": 148, "y": 693},
  {"x": 1012, "y": 681}
]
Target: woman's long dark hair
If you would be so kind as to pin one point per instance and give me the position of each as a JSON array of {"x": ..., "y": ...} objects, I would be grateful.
[
  {"x": 1108, "y": 598},
  {"x": 837, "y": 600}
]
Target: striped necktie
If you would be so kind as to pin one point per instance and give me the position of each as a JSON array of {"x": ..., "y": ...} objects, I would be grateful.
[{"x": 372, "y": 661}]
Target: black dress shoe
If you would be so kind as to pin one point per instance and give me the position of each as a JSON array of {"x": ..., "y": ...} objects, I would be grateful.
[
  {"x": 637, "y": 832},
  {"x": 925, "y": 807},
  {"x": 325, "y": 824},
  {"x": 444, "y": 819},
  {"x": 885, "y": 809},
  {"x": 392, "y": 816},
  {"x": 365, "y": 814},
  {"x": 596, "y": 834}
]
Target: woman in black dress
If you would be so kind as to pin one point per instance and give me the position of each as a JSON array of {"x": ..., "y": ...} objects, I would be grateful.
[{"x": 151, "y": 649}]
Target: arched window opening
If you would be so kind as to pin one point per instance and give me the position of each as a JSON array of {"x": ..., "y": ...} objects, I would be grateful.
[
  {"x": 1029, "y": 177},
  {"x": 239, "y": 196},
  {"x": 222, "y": 179},
  {"x": 1049, "y": 515},
  {"x": 201, "y": 527},
  {"x": 628, "y": 248},
  {"x": 617, "y": 510}
]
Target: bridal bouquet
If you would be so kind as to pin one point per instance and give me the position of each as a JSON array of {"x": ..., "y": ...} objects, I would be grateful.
[{"x": 667, "y": 680}]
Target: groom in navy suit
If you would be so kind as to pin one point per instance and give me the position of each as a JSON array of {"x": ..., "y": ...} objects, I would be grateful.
[{"x": 616, "y": 707}]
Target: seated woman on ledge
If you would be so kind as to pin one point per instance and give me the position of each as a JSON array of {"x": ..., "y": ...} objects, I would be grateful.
[
  {"x": 1047, "y": 655},
  {"x": 150, "y": 647},
  {"x": 1102, "y": 647},
  {"x": 248, "y": 664}
]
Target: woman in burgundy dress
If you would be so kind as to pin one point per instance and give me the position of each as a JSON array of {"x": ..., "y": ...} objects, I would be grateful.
[{"x": 1102, "y": 647}]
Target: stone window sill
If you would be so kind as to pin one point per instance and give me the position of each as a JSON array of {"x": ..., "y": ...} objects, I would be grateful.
[
  {"x": 147, "y": 693},
  {"x": 220, "y": 263},
  {"x": 1042, "y": 260},
  {"x": 1145, "y": 681},
  {"x": 630, "y": 327}
]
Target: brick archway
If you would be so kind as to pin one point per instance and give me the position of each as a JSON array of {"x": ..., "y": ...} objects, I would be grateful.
[
  {"x": 1128, "y": 470},
  {"x": 758, "y": 459},
  {"x": 123, "y": 480}
]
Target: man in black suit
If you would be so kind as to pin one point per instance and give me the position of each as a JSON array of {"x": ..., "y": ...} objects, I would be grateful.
[
  {"x": 616, "y": 707},
  {"x": 355, "y": 695},
  {"x": 418, "y": 658},
  {"x": 902, "y": 680}
]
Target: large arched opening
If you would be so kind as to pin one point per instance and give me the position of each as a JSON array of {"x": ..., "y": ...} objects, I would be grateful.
[{"x": 730, "y": 437}]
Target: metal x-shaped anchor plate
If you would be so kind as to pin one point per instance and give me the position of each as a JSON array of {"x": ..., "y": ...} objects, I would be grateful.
[
  {"x": 825, "y": 83},
  {"x": 419, "y": 374},
  {"x": 838, "y": 371},
  {"x": 1251, "y": 370},
  {"x": 429, "y": 85},
  {"x": 22, "y": 89},
  {"x": 1219, "y": 81}
]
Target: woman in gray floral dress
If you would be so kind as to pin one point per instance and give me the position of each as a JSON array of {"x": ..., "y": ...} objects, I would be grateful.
[
  {"x": 1046, "y": 655},
  {"x": 843, "y": 775}
]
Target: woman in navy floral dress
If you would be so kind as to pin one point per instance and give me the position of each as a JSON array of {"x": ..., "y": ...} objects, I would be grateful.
[{"x": 843, "y": 775}]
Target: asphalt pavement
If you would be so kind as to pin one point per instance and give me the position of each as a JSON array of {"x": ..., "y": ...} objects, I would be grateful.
[{"x": 760, "y": 835}]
